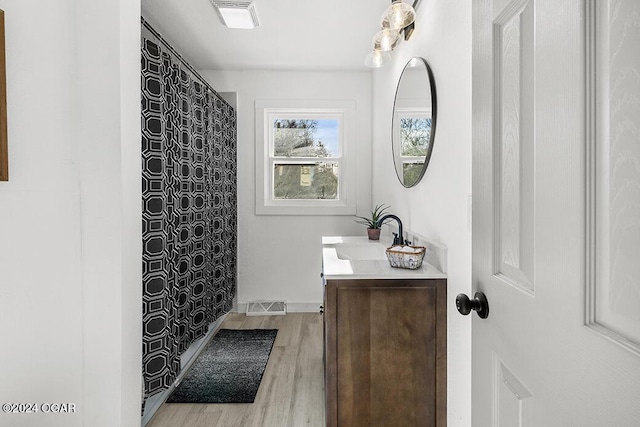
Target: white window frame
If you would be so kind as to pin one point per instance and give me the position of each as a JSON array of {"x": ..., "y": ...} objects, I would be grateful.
[{"x": 269, "y": 110}]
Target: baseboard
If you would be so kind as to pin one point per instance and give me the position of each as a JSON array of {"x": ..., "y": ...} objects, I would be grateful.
[
  {"x": 304, "y": 307},
  {"x": 292, "y": 307},
  {"x": 153, "y": 403}
]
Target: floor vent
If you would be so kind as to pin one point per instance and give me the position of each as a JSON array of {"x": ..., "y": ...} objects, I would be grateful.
[{"x": 266, "y": 308}]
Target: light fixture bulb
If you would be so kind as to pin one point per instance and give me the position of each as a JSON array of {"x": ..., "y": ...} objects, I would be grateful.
[
  {"x": 386, "y": 40},
  {"x": 377, "y": 59},
  {"x": 398, "y": 15}
]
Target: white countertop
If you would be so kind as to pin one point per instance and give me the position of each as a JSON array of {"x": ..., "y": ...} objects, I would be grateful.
[{"x": 370, "y": 262}]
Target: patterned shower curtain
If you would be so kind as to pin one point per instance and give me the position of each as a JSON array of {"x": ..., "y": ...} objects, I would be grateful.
[{"x": 189, "y": 208}]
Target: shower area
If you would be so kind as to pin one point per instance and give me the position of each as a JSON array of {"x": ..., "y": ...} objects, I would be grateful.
[{"x": 189, "y": 190}]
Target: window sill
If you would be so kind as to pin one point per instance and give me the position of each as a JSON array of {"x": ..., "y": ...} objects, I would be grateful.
[{"x": 299, "y": 207}]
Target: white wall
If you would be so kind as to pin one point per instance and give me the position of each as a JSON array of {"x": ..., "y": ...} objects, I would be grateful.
[
  {"x": 438, "y": 206},
  {"x": 70, "y": 240},
  {"x": 280, "y": 256}
]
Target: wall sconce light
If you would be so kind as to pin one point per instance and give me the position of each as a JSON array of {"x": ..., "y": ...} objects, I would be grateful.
[{"x": 396, "y": 21}]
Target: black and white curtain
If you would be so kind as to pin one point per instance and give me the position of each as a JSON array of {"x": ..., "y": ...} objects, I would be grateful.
[{"x": 189, "y": 190}]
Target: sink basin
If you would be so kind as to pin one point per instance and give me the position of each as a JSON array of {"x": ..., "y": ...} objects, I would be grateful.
[
  {"x": 367, "y": 252},
  {"x": 356, "y": 257}
]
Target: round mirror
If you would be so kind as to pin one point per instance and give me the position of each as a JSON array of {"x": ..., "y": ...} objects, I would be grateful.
[{"x": 414, "y": 121}]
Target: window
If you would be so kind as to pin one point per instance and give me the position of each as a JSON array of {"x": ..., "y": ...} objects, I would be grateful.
[
  {"x": 414, "y": 127},
  {"x": 302, "y": 153},
  {"x": 305, "y": 156}
]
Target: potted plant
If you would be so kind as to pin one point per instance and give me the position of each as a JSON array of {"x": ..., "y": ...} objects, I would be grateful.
[{"x": 373, "y": 228}]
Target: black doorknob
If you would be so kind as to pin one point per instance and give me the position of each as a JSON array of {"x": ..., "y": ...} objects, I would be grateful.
[{"x": 479, "y": 303}]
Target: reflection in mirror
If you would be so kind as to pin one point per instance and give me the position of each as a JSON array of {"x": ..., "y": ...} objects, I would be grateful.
[{"x": 414, "y": 122}]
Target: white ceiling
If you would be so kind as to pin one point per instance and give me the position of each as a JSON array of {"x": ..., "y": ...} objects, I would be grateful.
[{"x": 293, "y": 34}]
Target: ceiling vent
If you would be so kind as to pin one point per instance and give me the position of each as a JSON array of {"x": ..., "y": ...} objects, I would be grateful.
[{"x": 237, "y": 14}]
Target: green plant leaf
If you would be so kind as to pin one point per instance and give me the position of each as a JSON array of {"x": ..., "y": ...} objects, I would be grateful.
[{"x": 377, "y": 213}]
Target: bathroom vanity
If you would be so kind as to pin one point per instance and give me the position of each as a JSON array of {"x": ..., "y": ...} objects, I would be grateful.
[{"x": 385, "y": 337}]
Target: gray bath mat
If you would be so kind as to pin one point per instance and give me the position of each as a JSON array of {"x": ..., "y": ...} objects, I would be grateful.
[{"x": 229, "y": 369}]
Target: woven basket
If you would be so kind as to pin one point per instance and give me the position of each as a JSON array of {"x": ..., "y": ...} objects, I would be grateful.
[{"x": 409, "y": 260}]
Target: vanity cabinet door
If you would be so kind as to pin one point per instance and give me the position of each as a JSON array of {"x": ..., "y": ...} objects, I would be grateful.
[{"x": 386, "y": 352}]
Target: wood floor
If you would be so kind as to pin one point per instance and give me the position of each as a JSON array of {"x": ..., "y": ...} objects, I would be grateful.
[{"x": 291, "y": 393}]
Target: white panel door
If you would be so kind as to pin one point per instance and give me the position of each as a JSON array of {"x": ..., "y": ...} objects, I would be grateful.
[{"x": 556, "y": 212}]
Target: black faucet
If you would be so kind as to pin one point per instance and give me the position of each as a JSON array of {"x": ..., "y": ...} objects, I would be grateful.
[{"x": 398, "y": 239}]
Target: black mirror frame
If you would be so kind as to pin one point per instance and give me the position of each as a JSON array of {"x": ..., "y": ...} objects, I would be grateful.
[{"x": 434, "y": 116}]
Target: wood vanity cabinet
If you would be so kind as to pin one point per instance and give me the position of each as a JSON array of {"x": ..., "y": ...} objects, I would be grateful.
[{"x": 385, "y": 352}]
